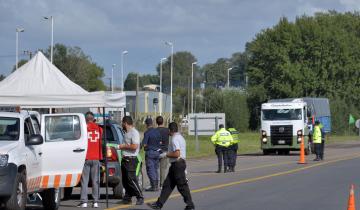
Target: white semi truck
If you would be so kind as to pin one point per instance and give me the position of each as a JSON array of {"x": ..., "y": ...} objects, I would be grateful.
[{"x": 284, "y": 122}]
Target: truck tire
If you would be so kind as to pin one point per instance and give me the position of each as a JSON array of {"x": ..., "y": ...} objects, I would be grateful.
[
  {"x": 67, "y": 193},
  {"x": 118, "y": 191},
  {"x": 266, "y": 152},
  {"x": 18, "y": 198},
  {"x": 51, "y": 199}
]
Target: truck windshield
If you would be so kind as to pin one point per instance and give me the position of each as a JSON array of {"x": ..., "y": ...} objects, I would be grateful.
[
  {"x": 281, "y": 114},
  {"x": 9, "y": 129}
]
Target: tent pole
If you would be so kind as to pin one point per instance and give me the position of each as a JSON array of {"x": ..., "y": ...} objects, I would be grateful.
[{"x": 106, "y": 161}]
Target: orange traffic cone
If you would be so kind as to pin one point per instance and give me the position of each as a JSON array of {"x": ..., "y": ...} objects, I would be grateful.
[
  {"x": 351, "y": 202},
  {"x": 302, "y": 152}
]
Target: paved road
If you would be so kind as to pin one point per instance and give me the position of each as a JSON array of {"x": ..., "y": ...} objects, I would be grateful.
[{"x": 266, "y": 182}]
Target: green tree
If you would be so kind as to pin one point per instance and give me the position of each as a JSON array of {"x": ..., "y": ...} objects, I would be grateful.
[
  {"x": 181, "y": 73},
  {"x": 216, "y": 73},
  {"x": 147, "y": 79},
  {"x": 78, "y": 67},
  {"x": 315, "y": 56}
]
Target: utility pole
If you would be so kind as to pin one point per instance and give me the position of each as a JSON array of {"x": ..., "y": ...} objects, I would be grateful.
[{"x": 137, "y": 96}]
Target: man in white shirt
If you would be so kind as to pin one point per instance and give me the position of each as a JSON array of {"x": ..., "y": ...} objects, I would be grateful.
[{"x": 176, "y": 175}]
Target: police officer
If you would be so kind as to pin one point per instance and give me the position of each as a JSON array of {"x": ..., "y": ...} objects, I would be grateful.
[
  {"x": 317, "y": 140},
  {"x": 176, "y": 175},
  {"x": 222, "y": 140},
  {"x": 151, "y": 143},
  {"x": 233, "y": 148},
  {"x": 322, "y": 141},
  {"x": 130, "y": 150}
]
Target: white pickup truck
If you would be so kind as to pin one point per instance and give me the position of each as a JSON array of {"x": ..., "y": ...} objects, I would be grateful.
[{"x": 39, "y": 157}]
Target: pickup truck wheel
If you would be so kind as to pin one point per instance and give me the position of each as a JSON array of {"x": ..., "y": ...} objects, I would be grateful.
[
  {"x": 118, "y": 191},
  {"x": 51, "y": 199},
  {"x": 18, "y": 199},
  {"x": 67, "y": 193}
]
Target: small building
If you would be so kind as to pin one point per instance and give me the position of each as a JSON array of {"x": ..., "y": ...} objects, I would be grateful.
[{"x": 150, "y": 102}]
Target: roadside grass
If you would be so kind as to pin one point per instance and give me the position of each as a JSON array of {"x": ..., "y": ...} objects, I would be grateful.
[{"x": 249, "y": 143}]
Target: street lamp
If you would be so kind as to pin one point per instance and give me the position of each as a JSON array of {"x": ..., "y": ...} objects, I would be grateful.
[
  {"x": 52, "y": 36},
  {"x": 112, "y": 77},
  {"x": 228, "y": 77},
  {"x": 170, "y": 44},
  {"x": 161, "y": 63},
  {"x": 125, "y": 52},
  {"x": 18, "y": 30},
  {"x": 192, "y": 86}
]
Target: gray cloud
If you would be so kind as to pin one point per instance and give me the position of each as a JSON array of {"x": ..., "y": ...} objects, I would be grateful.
[{"x": 210, "y": 29}]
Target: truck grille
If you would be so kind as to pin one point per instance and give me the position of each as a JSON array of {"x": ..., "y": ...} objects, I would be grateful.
[{"x": 281, "y": 134}]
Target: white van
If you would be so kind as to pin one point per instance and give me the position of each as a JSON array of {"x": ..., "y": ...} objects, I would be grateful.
[{"x": 39, "y": 157}]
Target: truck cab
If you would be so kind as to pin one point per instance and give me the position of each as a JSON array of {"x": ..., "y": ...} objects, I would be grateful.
[
  {"x": 39, "y": 154},
  {"x": 283, "y": 126}
]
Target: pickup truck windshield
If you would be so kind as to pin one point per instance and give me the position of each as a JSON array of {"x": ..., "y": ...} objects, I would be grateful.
[
  {"x": 9, "y": 129},
  {"x": 281, "y": 114}
]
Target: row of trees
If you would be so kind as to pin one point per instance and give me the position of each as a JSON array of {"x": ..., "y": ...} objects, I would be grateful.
[
  {"x": 313, "y": 56},
  {"x": 76, "y": 65}
]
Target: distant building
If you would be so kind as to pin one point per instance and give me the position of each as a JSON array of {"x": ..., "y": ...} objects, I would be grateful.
[{"x": 148, "y": 102}]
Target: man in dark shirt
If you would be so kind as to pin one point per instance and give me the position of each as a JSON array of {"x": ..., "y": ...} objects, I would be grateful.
[
  {"x": 164, "y": 162},
  {"x": 152, "y": 149}
]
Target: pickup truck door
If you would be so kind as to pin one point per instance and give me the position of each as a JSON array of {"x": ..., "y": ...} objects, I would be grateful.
[{"x": 64, "y": 149}]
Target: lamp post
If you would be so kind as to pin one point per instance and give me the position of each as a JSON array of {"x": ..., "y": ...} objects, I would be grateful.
[
  {"x": 161, "y": 63},
  {"x": 52, "y": 36},
  {"x": 112, "y": 77},
  {"x": 18, "y": 30},
  {"x": 171, "y": 77},
  {"x": 228, "y": 77},
  {"x": 192, "y": 86},
  {"x": 125, "y": 52}
]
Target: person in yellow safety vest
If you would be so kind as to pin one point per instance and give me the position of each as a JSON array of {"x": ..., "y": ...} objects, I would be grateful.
[
  {"x": 317, "y": 140},
  {"x": 233, "y": 149},
  {"x": 222, "y": 140}
]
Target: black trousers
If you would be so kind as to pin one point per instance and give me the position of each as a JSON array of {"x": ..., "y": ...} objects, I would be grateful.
[
  {"x": 317, "y": 150},
  {"x": 222, "y": 154},
  {"x": 129, "y": 179},
  {"x": 176, "y": 177},
  {"x": 322, "y": 149},
  {"x": 233, "y": 155}
]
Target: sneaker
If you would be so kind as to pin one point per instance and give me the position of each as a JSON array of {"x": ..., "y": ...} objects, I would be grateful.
[
  {"x": 189, "y": 208},
  {"x": 95, "y": 205},
  {"x": 82, "y": 205},
  {"x": 140, "y": 201},
  {"x": 154, "y": 205}
]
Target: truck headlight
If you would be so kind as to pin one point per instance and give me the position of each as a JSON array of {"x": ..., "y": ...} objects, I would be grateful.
[
  {"x": 4, "y": 160},
  {"x": 299, "y": 132},
  {"x": 263, "y": 133},
  {"x": 264, "y": 140}
]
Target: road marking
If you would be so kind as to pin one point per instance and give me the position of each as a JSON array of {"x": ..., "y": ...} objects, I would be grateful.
[
  {"x": 350, "y": 157},
  {"x": 196, "y": 174}
]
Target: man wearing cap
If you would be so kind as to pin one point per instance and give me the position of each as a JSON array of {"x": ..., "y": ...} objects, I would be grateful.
[{"x": 151, "y": 143}]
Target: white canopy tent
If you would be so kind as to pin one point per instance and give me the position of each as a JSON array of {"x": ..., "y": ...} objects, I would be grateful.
[{"x": 40, "y": 84}]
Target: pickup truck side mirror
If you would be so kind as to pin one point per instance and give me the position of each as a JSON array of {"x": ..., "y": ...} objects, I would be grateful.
[{"x": 35, "y": 140}]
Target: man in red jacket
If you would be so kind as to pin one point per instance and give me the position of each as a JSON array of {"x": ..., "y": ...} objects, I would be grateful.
[{"x": 92, "y": 162}]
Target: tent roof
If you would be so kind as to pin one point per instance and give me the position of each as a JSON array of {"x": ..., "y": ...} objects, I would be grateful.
[{"x": 40, "y": 84}]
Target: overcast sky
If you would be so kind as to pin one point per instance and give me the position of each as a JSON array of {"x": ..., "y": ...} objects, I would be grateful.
[{"x": 209, "y": 29}]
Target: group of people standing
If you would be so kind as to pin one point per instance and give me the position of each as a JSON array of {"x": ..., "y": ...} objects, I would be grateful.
[
  {"x": 226, "y": 147},
  {"x": 162, "y": 145}
]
